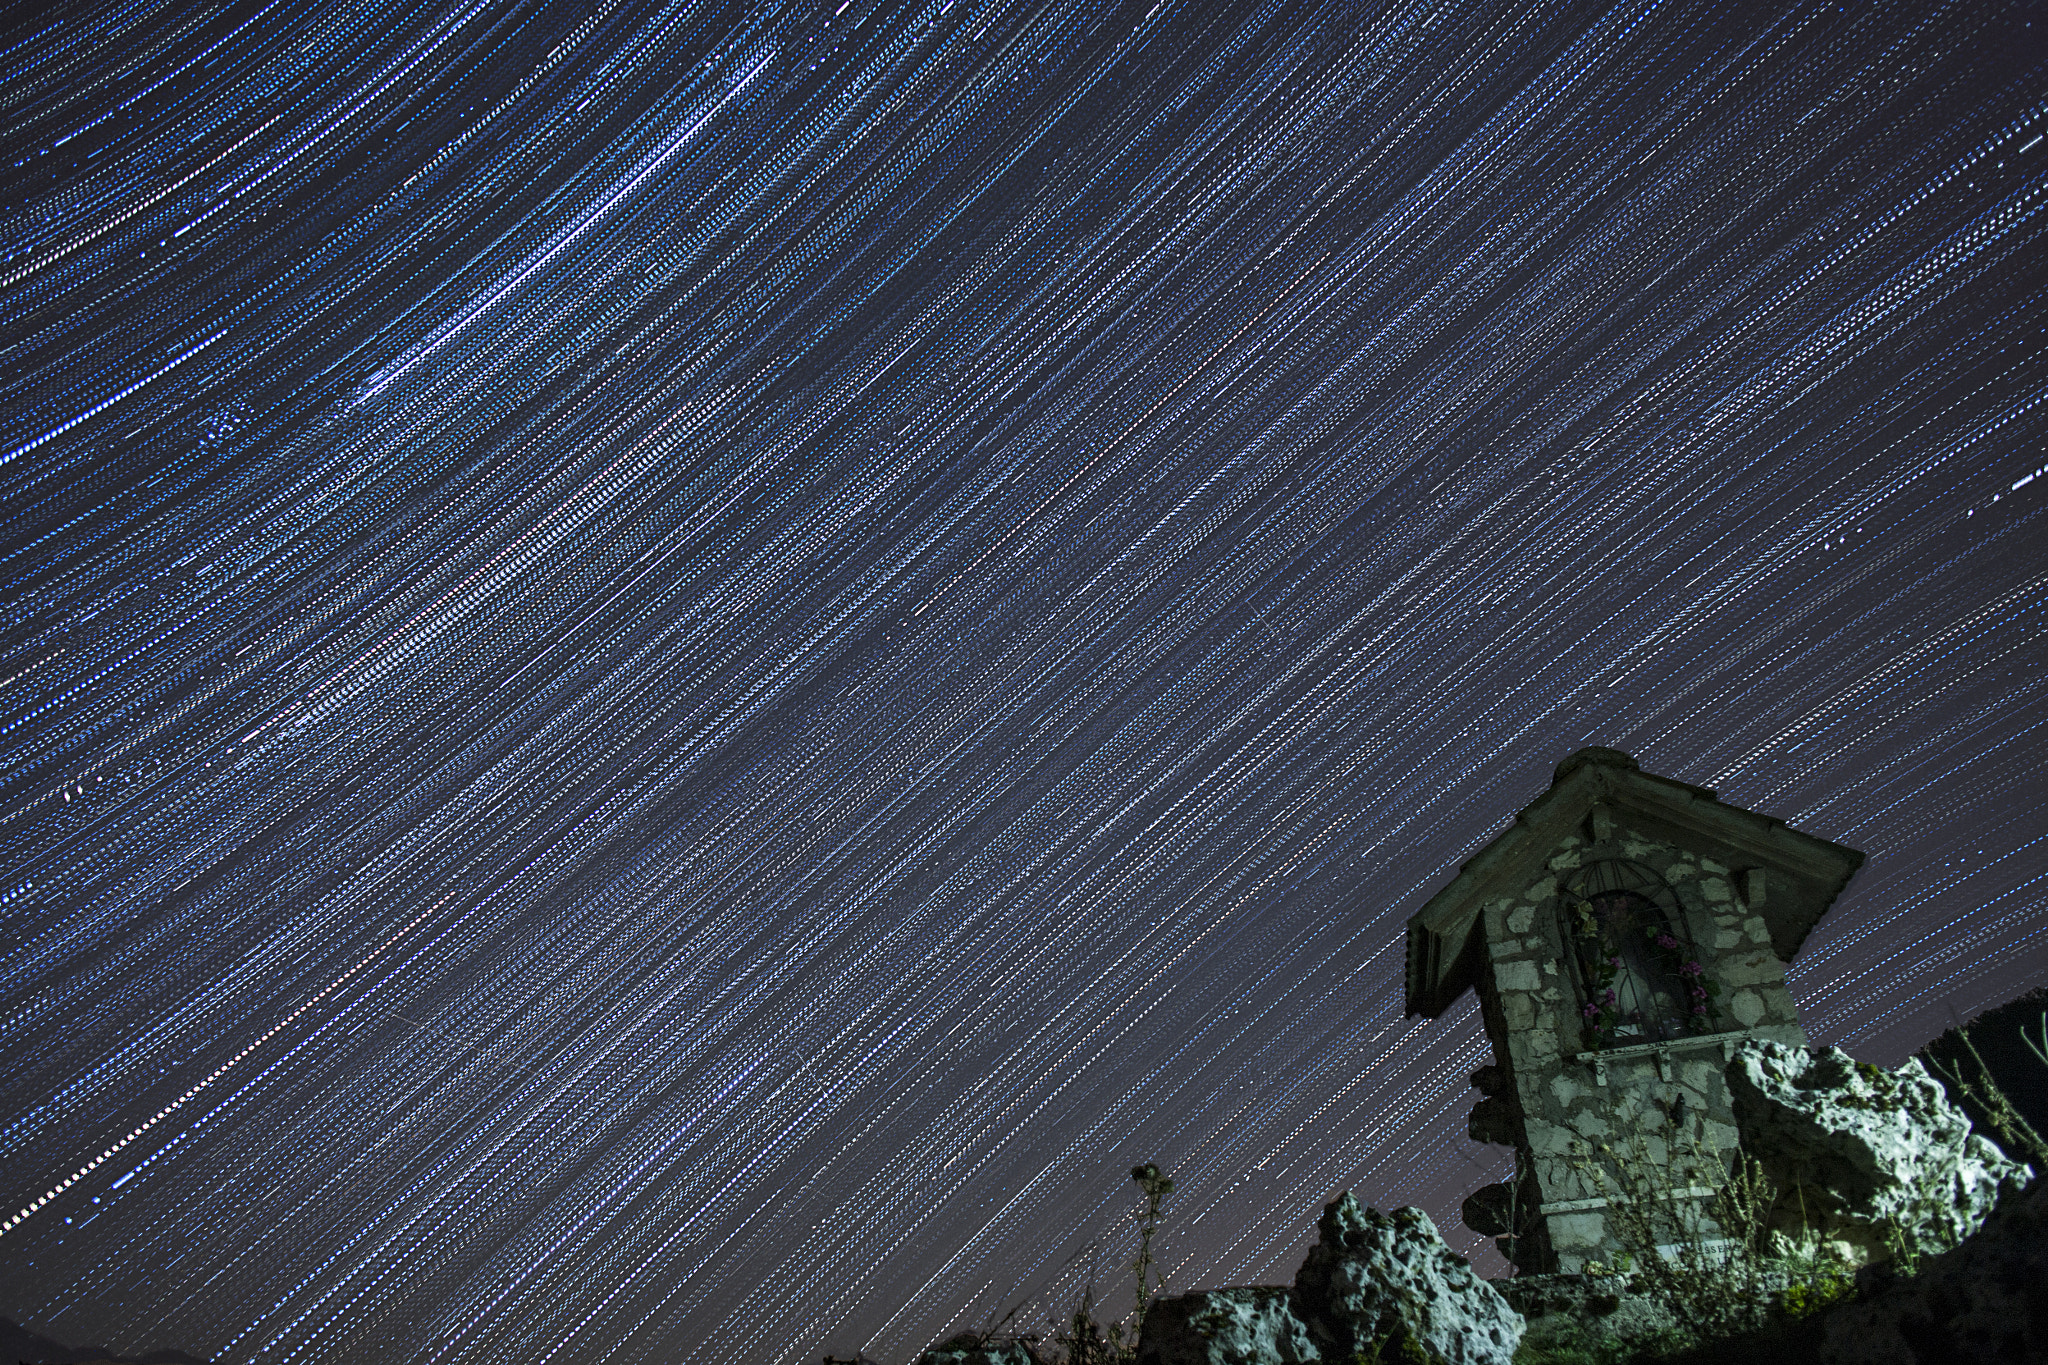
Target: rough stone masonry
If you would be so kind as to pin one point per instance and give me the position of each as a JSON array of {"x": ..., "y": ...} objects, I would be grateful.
[{"x": 1624, "y": 937}]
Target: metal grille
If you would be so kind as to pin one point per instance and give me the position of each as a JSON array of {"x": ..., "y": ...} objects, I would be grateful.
[{"x": 1630, "y": 904}]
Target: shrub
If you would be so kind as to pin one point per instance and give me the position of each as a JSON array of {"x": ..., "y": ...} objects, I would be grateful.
[
  {"x": 1693, "y": 1230},
  {"x": 1084, "y": 1341},
  {"x": 1984, "y": 1098},
  {"x": 1588, "y": 1348},
  {"x": 1816, "y": 1274}
]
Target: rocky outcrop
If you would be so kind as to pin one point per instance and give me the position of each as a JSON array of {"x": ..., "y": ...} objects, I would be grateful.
[
  {"x": 968, "y": 1349},
  {"x": 1383, "y": 1285},
  {"x": 1247, "y": 1325},
  {"x": 1377, "y": 1277},
  {"x": 1858, "y": 1151},
  {"x": 1592, "y": 1315},
  {"x": 1985, "y": 1301}
]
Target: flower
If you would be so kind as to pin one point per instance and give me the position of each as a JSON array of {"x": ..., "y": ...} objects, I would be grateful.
[
  {"x": 1700, "y": 1008},
  {"x": 1590, "y": 1010},
  {"x": 1690, "y": 969},
  {"x": 1666, "y": 941},
  {"x": 1614, "y": 962},
  {"x": 1607, "y": 999},
  {"x": 1698, "y": 994}
]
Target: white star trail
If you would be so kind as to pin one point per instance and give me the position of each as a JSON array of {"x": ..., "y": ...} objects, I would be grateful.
[{"x": 677, "y": 673}]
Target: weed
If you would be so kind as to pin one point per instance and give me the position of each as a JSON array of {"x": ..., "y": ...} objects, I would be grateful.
[
  {"x": 1694, "y": 1228},
  {"x": 1396, "y": 1348},
  {"x": 1816, "y": 1273},
  {"x": 1083, "y": 1340},
  {"x": 1905, "y": 1250},
  {"x": 1697, "y": 1231},
  {"x": 2013, "y": 1133},
  {"x": 1585, "y": 1349},
  {"x": 1802, "y": 1298},
  {"x": 1156, "y": 1187}
]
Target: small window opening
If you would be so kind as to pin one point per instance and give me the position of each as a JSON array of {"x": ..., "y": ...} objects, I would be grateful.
[{"x": 1629, "y": 942}]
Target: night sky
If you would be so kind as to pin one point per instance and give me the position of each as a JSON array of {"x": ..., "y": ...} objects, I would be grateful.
[{"x": 677, "y": 673}]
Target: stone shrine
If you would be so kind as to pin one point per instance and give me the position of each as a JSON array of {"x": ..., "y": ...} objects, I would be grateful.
[{"x": 1623, "y": 937}]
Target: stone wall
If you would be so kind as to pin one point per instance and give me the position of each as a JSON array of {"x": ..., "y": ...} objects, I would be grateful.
[{"x": 1672, "y": 1096}]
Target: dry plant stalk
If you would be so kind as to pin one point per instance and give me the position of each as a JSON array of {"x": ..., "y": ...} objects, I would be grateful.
[
  {"x": 1082, "y": 1339},
  {"x": 2007, "y": 1124},
  {"x": 1713, "y": 1278},
  {"x": 1156, "y": 1187},
  {"x": 1084, "y": 1342}
]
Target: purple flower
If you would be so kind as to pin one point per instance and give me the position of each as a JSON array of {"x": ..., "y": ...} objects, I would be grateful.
[
  {"x": 1590, "y": 1011},
  {"x": 1666, "y": 941},
  {"x": 1700, "y": 1008},
  {"x": 1614, "y": 962},
  {"x": 1607, "y": 999},
  {"x": 1690, "y": 969},
  {"x": 1698, "y": 994}
]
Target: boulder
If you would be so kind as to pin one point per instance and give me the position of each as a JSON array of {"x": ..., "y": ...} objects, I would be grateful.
[
  {"x": 968, "y": 1349},
  {"x": 1857, "y": 1150},
  {"x": 1987, "y": 1300},
  {"x": 1245, "y": 1325},
  {"x": 1375, "y": 1279},
  {"x": 1594, "y": 1316}
]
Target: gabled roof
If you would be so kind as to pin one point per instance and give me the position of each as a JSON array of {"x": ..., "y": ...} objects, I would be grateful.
[{"x": 1803, "y": 875}]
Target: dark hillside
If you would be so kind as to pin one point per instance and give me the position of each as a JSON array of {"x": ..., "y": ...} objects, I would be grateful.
[
  {"x": 1997, "y": 1035},
  {"x": 18, "y": 1344}
]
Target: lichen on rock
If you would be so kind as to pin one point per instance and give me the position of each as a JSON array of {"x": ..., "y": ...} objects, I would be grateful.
[
  {"x": 1374, "y": 1278},
  {"x": 969, "y": 1349},
  {"x": 1868, "y": 1159},
  {"x": 1244, "y": 1325}
]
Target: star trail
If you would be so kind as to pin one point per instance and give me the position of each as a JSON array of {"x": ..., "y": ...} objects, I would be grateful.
[{"x": 676, "y": 673}]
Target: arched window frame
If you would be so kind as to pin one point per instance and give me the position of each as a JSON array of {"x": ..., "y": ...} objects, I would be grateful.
[{"x": 1667, "y": 952}]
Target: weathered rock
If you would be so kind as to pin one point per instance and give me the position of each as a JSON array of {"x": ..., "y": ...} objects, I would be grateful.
[
  {"x": 967, "y": 1349},
  {"x": 1858, "y": 1150},
  {"x": 1246, "y": 1325},
  {"x": 1986, "y": 1301},
  {"x": 1592, "y": 1315},
  {"x": 1374, "y": 1276}
]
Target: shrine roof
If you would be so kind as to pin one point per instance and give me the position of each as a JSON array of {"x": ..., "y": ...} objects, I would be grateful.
[{"x": 1804, "y": 873}]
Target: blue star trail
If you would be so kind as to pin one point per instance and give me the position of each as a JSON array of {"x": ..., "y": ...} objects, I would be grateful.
[{"x": 676, "y": 673}]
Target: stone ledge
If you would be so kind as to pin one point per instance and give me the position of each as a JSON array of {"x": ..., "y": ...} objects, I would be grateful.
[
  {"x": 1662, "y": 1051},
  {"x": 1603, "y": 1201}
]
